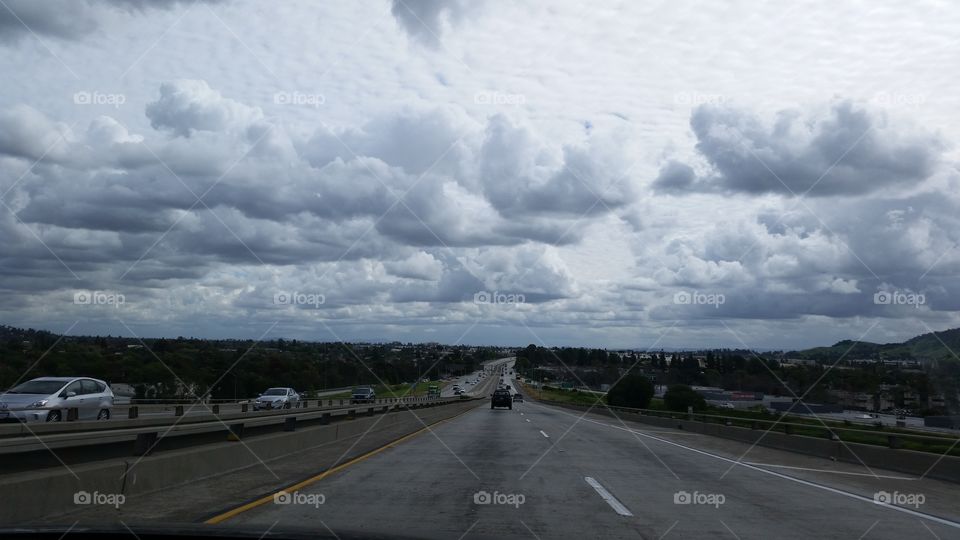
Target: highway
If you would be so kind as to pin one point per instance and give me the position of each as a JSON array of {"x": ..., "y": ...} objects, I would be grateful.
[
  {"x": 541, "y": 471},
  {"x": 565, "y": 470}
]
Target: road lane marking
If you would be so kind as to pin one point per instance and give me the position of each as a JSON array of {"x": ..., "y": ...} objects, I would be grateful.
[
  {"x": 837, "y": 491},
  {"x": 617, "y": 506},
  {"x": 828, "y": 471},
  {"x": 528, "y": 419},
  {"x": 544, "y": 434},
  {"x": 316, "y": 478}
]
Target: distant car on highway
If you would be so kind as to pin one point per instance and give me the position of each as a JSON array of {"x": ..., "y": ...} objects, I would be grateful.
[
  {"x": 363, "y": 394},
  {"x": 457, "y": 391},
  {"x": 501, "y": 398},
  {"x": 276, "y": 398},
  {"x": 518, "y": 397},
  {"x": 49, "y": 398}
]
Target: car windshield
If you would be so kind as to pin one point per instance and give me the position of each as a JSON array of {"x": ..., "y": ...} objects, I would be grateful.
[
  {"x": 275, "y": 392},
  {"x": 37, "y": 387}
]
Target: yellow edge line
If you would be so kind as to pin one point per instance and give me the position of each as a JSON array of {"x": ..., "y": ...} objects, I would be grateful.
[{"x": 314, "y": 479}]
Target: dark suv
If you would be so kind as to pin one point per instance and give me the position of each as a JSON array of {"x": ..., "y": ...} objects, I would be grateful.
[
  {"x": 501, "y": 398},
  {"x": 363, "y": 394}
]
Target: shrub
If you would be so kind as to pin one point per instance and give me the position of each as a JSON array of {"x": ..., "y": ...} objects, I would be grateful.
[
  {"x": 634, "y": 391},
  {"x": 680, "y": 396}
]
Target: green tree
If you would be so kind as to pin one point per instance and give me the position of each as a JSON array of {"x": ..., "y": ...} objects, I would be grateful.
[
  {"x": 634, "y": 391},
  {"x": 680, "y": 396}
]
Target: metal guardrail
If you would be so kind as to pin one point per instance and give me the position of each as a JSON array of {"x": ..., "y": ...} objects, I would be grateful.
[
  {"x": 895, "y": 437},
  {"x": 145, "y": 432},
  {"x": 181, "y": 407},
  {"x": 180, "y": 415}
]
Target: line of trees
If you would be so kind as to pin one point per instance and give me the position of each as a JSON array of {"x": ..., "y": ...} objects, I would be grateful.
[{"x": 225, "y": 369}]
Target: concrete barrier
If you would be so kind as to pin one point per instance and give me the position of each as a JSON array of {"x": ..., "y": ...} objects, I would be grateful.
[
  {"x": 891, "y": 458},
  {"x": 42, "y": 493},
  {"x": 51, "y": 491}
]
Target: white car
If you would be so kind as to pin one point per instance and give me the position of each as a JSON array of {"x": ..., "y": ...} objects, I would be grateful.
[
  {"x": 276, "y": 398},
  {"x": 47, "y": 399}
]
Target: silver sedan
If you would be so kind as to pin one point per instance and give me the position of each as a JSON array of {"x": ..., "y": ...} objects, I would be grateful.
[{"x": 49, "y": 398}]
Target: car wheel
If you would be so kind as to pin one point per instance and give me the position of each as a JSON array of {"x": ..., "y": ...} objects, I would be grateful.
[
  {"x": 104, "y": 414},
  {"x": 53, "y": 416},
  {"x": 510, "y": 406}
]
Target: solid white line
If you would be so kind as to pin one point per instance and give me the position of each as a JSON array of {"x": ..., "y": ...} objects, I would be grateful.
[
  {"x": 544, "y": 434},
  {"x": 828, "y": 471},
  {"x": 914, "y": 513},
  {"x": 617, "y": 506}
]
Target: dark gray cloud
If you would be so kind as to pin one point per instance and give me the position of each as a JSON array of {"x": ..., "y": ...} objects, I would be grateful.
[
  {"x": 521, "y": 176},
  {"x": 27, "y": 133},
  {"x": 847, "y": 151},
  {"x": 424, "y": 20},
  {"x": 67, "y": 19},
  {"x": 675, "y": 177}
]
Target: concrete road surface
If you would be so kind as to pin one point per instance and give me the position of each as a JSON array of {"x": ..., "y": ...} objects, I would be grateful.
[
  {"x": 490, "y": 370},
  {"x": 545, "y": 472}
]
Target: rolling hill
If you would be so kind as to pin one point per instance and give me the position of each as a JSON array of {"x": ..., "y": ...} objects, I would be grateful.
[{"x": 944, "y": 345}]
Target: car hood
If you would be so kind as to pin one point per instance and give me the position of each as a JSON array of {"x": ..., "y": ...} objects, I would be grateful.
[
  {"x": 20, "y": 400},
  {"x": 270, "y": 398}
]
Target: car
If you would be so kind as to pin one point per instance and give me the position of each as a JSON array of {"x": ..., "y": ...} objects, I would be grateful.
[
  {"x": 727, "y": 405},
  {"x": 501, "y": 398},
  {"x": 276, "y": 398},
  {"x": 457, "y": 391},
  {"x": 518, "y": 397},
  {"x": 363, "y": 394},
  {"x": 47, "y": 399}
]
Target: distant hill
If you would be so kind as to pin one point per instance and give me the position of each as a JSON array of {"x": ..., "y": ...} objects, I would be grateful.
[{"x": 943, "y": 345}]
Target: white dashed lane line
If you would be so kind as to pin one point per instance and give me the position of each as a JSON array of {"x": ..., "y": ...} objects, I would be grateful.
[{"x": 617, "y": 506}]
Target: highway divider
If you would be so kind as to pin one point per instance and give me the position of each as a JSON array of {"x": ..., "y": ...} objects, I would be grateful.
[{"x": 57, "y": 490}]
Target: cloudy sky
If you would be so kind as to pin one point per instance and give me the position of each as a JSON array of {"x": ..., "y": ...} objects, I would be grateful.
[{"x": 655, "y": 174}]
